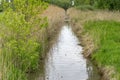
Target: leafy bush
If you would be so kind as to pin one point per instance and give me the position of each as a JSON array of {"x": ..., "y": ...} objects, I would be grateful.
[
  {"x": 107, "y": 4},
  {"x": 20, "y": 50},
  {"x": 82, "y": 2},
  {"x": 85, "y": 7},
  {"x": 1, "y": 9},
  {"x": 102, "y": 4},
  {"x": 62, "y": 3}
]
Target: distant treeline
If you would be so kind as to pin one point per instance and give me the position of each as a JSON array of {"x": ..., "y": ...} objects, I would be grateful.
[
  {"x": 100, "y": 4},
  {"x": 62, "y": 3},
  {"x": 107, "y": 4}
]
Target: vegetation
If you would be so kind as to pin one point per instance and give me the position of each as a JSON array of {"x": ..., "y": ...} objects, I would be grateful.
[
  {"x": 82, "y": 2},
  {"x": 106, "y": 36},
  {"x": 68, "y": 3},
  {"x": 85, "y": 7},
  {"x": 99, "y": 31},
  {"x": 20, "y": 47},
  {"x": 87, "y": 4},
  {"x": 62, "y": 3},
  {"x": 21, "y": 27},
  {"x": 107, "y": 4},
  {"x": 100, "y": 4}
]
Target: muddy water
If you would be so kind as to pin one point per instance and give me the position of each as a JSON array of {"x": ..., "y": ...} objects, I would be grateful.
[{"x": 65, "y": 60}]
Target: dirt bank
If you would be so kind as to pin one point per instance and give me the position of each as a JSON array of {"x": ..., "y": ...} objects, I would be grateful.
[{"x": 78, "y": 18}]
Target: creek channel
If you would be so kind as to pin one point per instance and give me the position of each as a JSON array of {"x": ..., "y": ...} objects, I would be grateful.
[{"x": 65, "y": 60}]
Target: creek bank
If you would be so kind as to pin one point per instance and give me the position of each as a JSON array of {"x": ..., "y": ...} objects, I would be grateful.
[
  {"x": 55, "y": 16},
  {"x": 88, "y": 48},
  {"x": 78, "y": 18}
]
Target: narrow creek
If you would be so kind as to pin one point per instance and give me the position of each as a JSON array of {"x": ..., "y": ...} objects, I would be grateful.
[{"x": 65, "y": 60}]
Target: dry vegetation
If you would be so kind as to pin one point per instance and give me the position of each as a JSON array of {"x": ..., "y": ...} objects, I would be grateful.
[
  {"x": 55, "y": 17},
  {"x": 94, "y": 15}
]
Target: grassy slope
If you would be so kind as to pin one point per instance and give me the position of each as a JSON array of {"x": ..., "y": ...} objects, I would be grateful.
[
  {"x": 106, "y": 35},
  {"x": 101, "y": 30}
]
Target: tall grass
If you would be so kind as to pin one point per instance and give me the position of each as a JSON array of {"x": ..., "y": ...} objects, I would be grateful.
[{"x": 106, "y": 36}]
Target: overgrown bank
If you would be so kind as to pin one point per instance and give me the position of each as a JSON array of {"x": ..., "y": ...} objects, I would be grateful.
[
  {"x": 55, "y": 16},
  {"x": 99, "y": 33},
  {"x": 24, "y": 37},
  {"x": 20, "y": 44}
]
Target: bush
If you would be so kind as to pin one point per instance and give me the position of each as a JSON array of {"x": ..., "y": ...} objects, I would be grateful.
[
  {"x": 65, "y": 4},
  {"x": 20, "y": 50},
  {"x": 85, "y": 7},
  {"x": 1, "y": 8},
  {"x": 108, "y": 4}
]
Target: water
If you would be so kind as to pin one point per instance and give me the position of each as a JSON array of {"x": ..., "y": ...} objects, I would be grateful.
[{"x": 65, "y": 60}]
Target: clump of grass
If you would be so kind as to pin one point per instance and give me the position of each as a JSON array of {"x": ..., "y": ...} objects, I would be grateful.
[{"x": 106, "y": 35}]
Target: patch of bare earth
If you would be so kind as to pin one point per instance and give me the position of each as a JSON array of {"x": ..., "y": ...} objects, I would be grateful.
[{"x": 78, "y": 18}]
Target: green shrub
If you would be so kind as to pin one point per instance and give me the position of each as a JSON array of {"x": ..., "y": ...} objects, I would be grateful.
[
  {"x": 1, "y": 8},
  {"x": 65, "y": 4},
  {"x": 85, "y": 7},
  {"x": 107, "y": 4},
  {"x": 20, "y": 50}
]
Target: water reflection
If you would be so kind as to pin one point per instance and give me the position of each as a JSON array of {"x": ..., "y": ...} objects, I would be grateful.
[{"x": 65, "y": 61}]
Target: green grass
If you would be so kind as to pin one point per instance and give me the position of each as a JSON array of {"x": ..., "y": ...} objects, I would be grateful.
[{"x": 106, "y": 35}]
